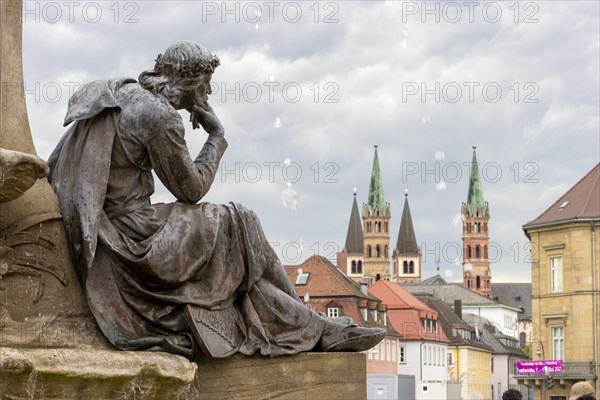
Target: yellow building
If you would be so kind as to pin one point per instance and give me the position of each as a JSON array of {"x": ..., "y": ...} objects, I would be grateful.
[{"x": 565, "y": 280}]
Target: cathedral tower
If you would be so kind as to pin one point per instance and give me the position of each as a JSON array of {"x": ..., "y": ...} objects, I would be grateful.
[
  {"x": 407, "y": 254},
  {"x": 351, "y": 259},
  {"x": 376, "y": 222},
  {"x": 476, "y": 215}
]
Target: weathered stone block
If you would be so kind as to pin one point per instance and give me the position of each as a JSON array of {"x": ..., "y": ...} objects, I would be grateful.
[
  {"x": 44, "y": 374},
  {"x": 308, "y": 376}
]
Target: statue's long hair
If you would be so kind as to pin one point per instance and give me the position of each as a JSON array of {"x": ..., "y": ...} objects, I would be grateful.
[{"x": 179, "y": 70}]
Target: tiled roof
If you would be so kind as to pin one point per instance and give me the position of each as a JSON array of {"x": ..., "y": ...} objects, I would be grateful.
[
  {"x": 396, "y": 297},
  {"x": 492, "y": 337},
  {"x": 517, "y": 295},
  {"x": 433, "y": 280},
  {"x": 581, "y": 201},
  {"x": 449, "y": 293},
  {"x": 451, "y": 322},
  {"x": 405, "y": 312},
  {"x": 325, "y": 280},
  {"x": 327, "y": 287}
]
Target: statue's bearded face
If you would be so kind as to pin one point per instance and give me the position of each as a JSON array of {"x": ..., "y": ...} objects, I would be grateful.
[{"x": 190, "y": 92}]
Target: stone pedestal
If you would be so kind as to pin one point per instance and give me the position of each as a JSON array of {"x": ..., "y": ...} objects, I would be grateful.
[{"x": 44, "y": 374}]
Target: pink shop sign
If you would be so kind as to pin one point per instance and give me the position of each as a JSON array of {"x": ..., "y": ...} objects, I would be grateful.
[{"x": 537, "y": 367}]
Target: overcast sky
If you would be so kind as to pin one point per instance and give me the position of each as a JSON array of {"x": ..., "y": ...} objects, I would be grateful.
[{"x": 305, "y": 89}]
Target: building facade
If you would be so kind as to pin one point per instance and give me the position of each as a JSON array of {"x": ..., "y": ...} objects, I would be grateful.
[
  {"x": 424, "y": 345},
  {"x": 565, "y": 280},
  {"x": 469, "y": 360},
  {"x": 505, "y": 354}
]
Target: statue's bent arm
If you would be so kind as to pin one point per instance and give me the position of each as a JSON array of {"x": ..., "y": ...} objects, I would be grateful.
[{"x": 187, "y": 180}]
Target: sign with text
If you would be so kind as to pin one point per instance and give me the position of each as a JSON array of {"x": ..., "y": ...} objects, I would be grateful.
[{"x": 537, "y": 367}]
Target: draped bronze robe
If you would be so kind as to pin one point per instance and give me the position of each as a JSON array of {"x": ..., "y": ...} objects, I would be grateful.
[{"x": 141, "y": 264}]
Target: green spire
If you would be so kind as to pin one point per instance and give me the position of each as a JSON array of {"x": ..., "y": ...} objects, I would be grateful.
[
  {"x": 475, "y": 197},
  {"x": 376, "y": 197}
]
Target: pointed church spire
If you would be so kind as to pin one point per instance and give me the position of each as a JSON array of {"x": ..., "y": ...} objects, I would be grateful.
[
  {"x": 475, "y": 198},
  {"x": 407, "y": 242},
  {"x": 354, "y": 238},
  {"x": 376, "y": 198}
]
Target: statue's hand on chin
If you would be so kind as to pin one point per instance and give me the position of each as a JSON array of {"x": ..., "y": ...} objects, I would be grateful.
[{"x": 204, "y": 115}]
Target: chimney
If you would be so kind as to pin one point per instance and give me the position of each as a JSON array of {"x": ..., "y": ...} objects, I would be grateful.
[
  {"x": 458, "y": 308},
  {"x": 364, "y": 286}
]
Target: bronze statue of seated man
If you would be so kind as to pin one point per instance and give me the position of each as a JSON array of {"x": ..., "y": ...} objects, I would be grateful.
[{"x": 186, "y": 277}]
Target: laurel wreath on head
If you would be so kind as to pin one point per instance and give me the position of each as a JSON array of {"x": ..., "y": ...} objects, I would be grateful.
[{"x": 188, "y": 68}]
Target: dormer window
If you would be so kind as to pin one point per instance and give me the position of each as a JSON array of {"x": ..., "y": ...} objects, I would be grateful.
[
  {"x": 363, "y": 312},
  {"x": 333, "y": 312},
  {"x": 302, "y": 277},
  {"x": 563, "y": 205}
]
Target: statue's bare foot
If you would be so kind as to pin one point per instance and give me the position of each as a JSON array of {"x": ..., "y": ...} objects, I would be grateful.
[{"x": 338, "y": 337}]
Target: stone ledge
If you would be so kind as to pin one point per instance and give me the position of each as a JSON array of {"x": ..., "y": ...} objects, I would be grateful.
[
  {"x": 110, "y": 374},
  {"x": 92, "y": 374},
  {"x": 304, "y": 376}
]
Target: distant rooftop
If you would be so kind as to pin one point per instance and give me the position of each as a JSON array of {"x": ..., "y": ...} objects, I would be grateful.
[
  {"x": 323, "y": 279},
  {"x": 448, "y": 292},
  {"x": 452, "y": 323},
  {"x": 517, "y": 295},
  {"x": 493, "y": 337}
]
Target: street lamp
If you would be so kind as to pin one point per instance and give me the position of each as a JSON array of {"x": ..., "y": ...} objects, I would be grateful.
[{"x": 541, "y": 356}]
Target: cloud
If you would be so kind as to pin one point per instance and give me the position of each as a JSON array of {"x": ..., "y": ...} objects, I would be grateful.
[{"x": 366, "y": 55}]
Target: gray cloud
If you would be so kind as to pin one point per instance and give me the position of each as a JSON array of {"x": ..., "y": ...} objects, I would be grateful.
[{"x": 368, "y": 57}]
